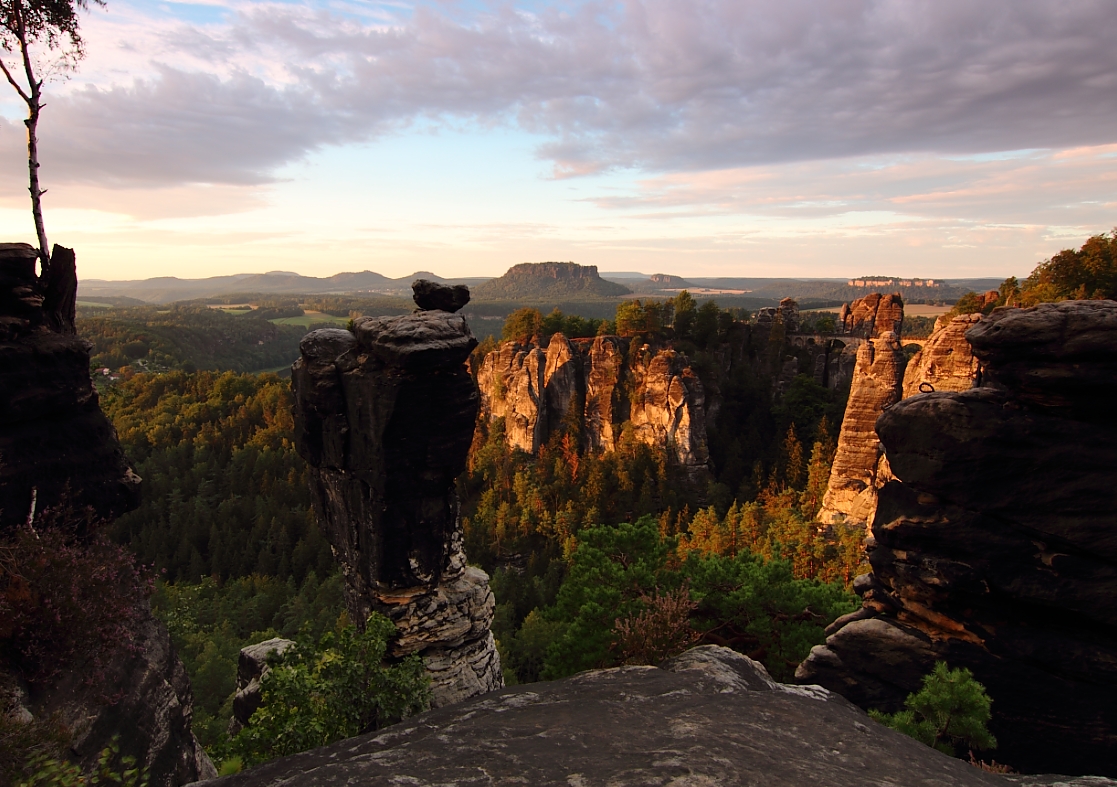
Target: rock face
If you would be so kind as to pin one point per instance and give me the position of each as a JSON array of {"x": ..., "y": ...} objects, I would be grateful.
[
  {"x": 59, "y": 457},
  {"x": 859, "y": 468},
  {"x": 252, "y": 666},
  {"x": 432, "y": 296},
  {"x": 995, "y": 549},
  {"x": 56, "y": 446},
  {"x": 385, "y": 416},
  {"x": 536, "y": 388},
  {"x": 150, "y": 717},
  {"x": 873, "y": 315},
  {"x": 946, "y": 362},
  {"x": 708, "y": 717}
]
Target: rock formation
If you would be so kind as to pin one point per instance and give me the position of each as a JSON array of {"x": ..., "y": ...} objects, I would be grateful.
[
  {"x": 995, "y": 548},
  {"x": 430, "y": 295},
  {"x": 873, "y": 315},
  {"x": 708, "y": 717},
  {"x": 946, "y": 362},
  {"x": 252, "y": 666},
  {"x": 385, "y": 416},
  {"x": 534, "y": 388},
  {"x": 859, "y": 467},
  {"x": 56, "y": 446},
  {"x": 60, "y": 460}
]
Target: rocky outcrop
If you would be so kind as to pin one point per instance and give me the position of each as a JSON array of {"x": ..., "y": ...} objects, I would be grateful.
[
  {"x": 669, "y": 408},
  {"x": 946, "y": 362},
  {"x": 143, "y": 700},
  {"x": 252, "y": 666},
  {"x": 61, "y": 463},
  {"x": 873, "y": 315},
  {"x": 535, "y": 388},
  {"x": 385, "y": 416},
  {"x": 995, "y": 548},
  {"x": 57, "y": 449},
  {"x": 859, "y": 468},
  {"x": 708, "y": 717}
]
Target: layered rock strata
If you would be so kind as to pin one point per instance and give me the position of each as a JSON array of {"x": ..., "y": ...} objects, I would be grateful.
[
  {"x": 61, "y": 463},
  {"x": 946, "y": 362},
  {"x": 708, "y": 717},
  {"x": 602, "y": 384},
  {"x": 385, "y": 416},
  {"x": 873, "y": 315},
  {"x": 860, "y": 468},
  {"x": 995, "y": 549}
]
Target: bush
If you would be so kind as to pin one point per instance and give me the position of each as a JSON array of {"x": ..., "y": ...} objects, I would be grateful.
[
  {"x": 950, "y": 711},
  {"x": 312, "y": 696}
]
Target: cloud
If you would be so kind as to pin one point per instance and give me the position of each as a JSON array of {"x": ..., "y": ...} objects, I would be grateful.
[{"x": 655, "y": 85}]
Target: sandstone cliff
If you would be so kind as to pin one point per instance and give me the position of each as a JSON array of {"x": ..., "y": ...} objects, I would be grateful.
[
  {"x": 385, "y": 416},
  {"x": 603, "y": 384},
  {"x": 859, "y": 467},
  {"x": 873, "y": 315},
  {"x": 708, "y": 717},
  {"x": 59, "y": 455},
  {"x": 995, "y": 549},
  {"x": 946, "y": 362}
]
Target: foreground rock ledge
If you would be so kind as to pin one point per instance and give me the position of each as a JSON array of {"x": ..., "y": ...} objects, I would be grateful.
[{"x": 709, "y": 717}]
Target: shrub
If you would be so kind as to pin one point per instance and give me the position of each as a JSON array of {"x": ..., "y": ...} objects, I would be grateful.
[
  {"x": 951, "y": 710},
  {"x": 314, "y": 695}
]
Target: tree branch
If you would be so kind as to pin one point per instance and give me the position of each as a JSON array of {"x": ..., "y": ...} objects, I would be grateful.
[{"x": 13, "y": 83}]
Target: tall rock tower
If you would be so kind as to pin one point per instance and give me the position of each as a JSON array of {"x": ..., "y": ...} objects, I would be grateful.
[{"x": 385, "y": 416}]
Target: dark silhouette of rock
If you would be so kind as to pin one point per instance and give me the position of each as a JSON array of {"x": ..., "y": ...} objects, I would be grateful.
[
  {"x": 995, "y": 549},
  {"x": 432, "y": 296},
  {"x": 385, "y": 416},
  {"x": 60, "y": 460},
  {"x": 708, "y": 717}
]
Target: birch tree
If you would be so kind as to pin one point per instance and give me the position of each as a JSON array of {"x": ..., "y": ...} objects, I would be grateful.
[{"x": 27, "y": 26}]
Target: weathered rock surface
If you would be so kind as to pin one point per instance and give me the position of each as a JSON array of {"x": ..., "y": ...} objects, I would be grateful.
[
  {"x": 252, "y": 666},
  {"x": 873, "y": 315},
  {"x": 708, "y": 717},
  {"x": 60, "y": 461},
  {"x": 996, "y": 549},
  {"x": 56, "y": 446},
  {"x": 859, "y": 468},
  {"x": 385, "y": 416},
  {"x": 430, "y": 295},
  {"x": 946, "y": 362},
  {"x": 536, "y": 388}
]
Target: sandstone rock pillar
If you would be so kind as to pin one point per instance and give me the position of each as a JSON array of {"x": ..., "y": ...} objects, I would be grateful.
[
  {"x": 385, "y": 416},
  {"x": 946, "y": 362},
  {"x": 860, "y": 468}
]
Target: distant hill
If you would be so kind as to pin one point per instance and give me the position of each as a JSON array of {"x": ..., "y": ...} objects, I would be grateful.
[{"x": 556, "y": 280}]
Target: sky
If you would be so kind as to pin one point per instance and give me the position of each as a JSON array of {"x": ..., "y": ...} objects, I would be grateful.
[{"x": 801, "y": 138}]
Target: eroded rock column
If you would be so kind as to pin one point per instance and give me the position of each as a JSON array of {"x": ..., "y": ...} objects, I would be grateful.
[{"x": 385, "y": 416}]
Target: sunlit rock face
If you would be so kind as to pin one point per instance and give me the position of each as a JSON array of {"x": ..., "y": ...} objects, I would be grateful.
[
  {"x": 995, "y": 547},
  {"x": 859, "y": 468},
  {"x": 873, "y": 315},
  {"x": 385, "y": 416},
  {"x": 598, "y": 385},
  {"x": 946, "y": 362}
]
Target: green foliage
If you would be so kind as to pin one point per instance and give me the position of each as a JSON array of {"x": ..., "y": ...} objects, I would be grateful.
[
  {"x": 43, "y": 770},
  {"x": 686, "y": 311},
  {"x": 187, "y": 337},
  {"x": 225, "y": 493},
  {"x": 210, "y": 622},
  {"x": 1087, "y": 273},
  {"x": 570, "y": 325},
  {"x": 950, "y": 711},
  {"x": 522, "y": 325},
  {"x": 626, "y": 591},
  {"x": 312, "y": 696}
]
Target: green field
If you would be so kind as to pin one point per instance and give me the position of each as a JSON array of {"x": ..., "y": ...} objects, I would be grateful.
[{"x": 310, "y": 318}]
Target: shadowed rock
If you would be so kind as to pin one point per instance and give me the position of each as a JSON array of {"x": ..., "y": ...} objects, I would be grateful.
[
  {"x": 385, "y": 416},
  {"x": 995, "y": 549},
  {"x": 432, "y": 296},
  {"x": 708, "y": 717}
]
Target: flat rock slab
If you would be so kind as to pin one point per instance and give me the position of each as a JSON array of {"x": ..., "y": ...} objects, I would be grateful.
[{"x": 709, "y": 717}]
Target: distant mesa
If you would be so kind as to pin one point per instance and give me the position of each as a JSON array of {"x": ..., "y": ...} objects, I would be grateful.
[
  {"x": 877, "y": 282},
  {"x": 666, "y": 280},
  {"x": 549, "y": 280}
]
